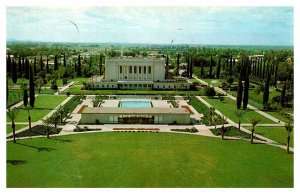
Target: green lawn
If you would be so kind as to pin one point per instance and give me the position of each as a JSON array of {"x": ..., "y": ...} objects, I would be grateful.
[
  {"x": 9, "y": 129},
  {"x": 228, "y": 108},
  {"x": 76, "y": 90},
  {"x": 145, "y": 160},
  {"x": 43, "y": 105},
  {"x": 14, "y": 96},
  {"x": 278, "y": 134}
]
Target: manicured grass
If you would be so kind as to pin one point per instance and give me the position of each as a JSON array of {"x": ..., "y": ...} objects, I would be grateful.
[
  {"x": 278, "y": 134},
  {"x": 19, "y": 81},
  {"x": 228, "y": 108},
  {"x": 9, "y": 128},
  {"x": 14, "y": 96},
  {"x": 43, "y": 105},
  {"x": 145, "y": 160},
  {"x": 80, "y": 80},
  {"x": 76, "y": 90}
]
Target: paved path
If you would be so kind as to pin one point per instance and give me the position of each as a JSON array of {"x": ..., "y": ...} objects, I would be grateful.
[
  {"x": 40, "y": 122},
  {"x": 231, "y": 123},
  {"x": 249, "y": 106},
  {"x": 61, "y": 90}
]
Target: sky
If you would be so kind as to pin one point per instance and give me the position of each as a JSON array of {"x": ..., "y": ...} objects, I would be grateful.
[{"x": 159, "y": 25}]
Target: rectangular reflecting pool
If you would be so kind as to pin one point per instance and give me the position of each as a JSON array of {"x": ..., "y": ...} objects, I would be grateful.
[{"x": 135, "y": 104}]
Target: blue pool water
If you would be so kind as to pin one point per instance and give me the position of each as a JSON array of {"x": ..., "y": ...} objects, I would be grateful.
[{"x": 135, "y": 104}]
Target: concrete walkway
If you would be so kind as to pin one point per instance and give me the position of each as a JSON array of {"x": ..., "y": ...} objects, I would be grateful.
[
  {"x": 40, "y": 122},
  {"x": 61, "y": 90}
]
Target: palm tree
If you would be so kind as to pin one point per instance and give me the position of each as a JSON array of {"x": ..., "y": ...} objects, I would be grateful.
[
  {"x": 215, "y": 119},
  {"x": 47, "y": 124},
  {"x": 289, "y": 128},
  {"x": 12, "y": 114},
  {"x": 54, "y": 118},
  {"x": 29, "y": 117},
  {"x": 239, "y": 114},
  {"x": 223, "y": 120},
  {"x": 61, "y": 112},
  {"x": 212, "y": 110},
  {"x": 254, "y": 121}
]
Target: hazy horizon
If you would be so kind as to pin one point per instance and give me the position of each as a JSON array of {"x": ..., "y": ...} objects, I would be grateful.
[{"x": 233, "y": 26}]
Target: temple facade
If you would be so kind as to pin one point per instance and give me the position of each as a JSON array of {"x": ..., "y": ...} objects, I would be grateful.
[{"x": 136, "y": 73}]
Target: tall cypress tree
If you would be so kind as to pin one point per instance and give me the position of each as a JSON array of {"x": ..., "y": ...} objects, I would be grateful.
[
  {"x": 264, "y": 70},
  {"x": 100, "y": 64},
  {"x": 246, "y": 85},
  {"x": 239, "y": 94},
  {"x": 202, "y": 70},
  {"x": 266, "y": 88},
  {"x": 276, "y": 71},
  {"x": 20, "y": 70},
  {"x": 188, "y": 67},
  {"x": 34, "y": 67},
  {"x": 177, "y": 69},
  {"x": 26, "y": 68},
  {"x": 55, "y": 63},
  {"x": 167, "y": 67},
  {"x": 219, "y": 68},
  {"x": 25, "y": 96},
  {"x": 14, "y": 75},
  {"x": 8, "y": 64},
  {"x": 31, "y": 88},
  {"x": 47, "y": 64},
  {"x": 79, "y": 74},
  {"x": 283, "y": 92},
  {"x": 210, "y": 66},
  {"x": 191, "y": 68},
  {"x": 41, "y": 64},
  {"x": 230, "y": 66},
  {"x": 65, "y": 61}
]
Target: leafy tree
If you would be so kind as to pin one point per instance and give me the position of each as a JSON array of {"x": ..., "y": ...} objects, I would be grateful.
[
  {"x": 289, "y": 128},
  {"x": 39, "y": 83},
  {"x": 31, "y": 88},
  {"x": 210, "y": 92},
  {"x": 12, "y": 114},
  {"x": 254, "y": 121}
]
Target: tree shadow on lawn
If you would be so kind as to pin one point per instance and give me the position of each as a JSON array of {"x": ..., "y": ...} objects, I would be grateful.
[
  {"x": 62, "y": 140},
  {"x": 39, "y": 149},
  {"x": 16, "y": 162}
]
